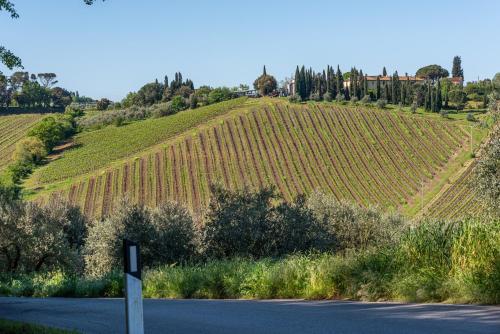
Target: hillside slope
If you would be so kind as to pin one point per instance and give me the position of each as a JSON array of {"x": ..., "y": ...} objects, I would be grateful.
[
  {"x": 12, "y": 129},
  {"x": 363, "y": 155}
]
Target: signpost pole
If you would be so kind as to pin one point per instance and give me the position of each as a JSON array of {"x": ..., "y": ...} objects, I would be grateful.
[{"x": 133, "y": 287}]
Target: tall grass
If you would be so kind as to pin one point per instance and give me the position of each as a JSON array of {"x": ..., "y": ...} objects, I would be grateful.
[{"x": 432, "y": 262}]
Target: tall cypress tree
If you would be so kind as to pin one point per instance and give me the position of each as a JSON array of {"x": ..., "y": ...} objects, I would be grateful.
[
  {"x": 297, "y": 82},
  {"x": 365, "y": 81},
  {"x": 264, "y": 71},
  {"x": 456, "y": 70},
  {"x": 384, "y": 72},
  {"x": 439, "y": 100},
  {"x": 379, "y": 92},
  {"x": 340, "y": 81}
]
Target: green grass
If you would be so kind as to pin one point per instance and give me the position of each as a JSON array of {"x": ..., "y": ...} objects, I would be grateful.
[
  {"x": 16, "y": 327},
  {"x": 95, "y": 149},
  {"x": 434, "y": 261}
]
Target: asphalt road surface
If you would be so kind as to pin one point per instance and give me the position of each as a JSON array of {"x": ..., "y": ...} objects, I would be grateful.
[{"x": 244, "y": 316}]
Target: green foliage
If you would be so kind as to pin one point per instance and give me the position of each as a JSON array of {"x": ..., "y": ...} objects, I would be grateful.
[
  {"x": 53, "y": 129},
  {"x": 327, "y": 97},
  {"x": 366, "y": 100},
  {"x": 381, "y": 103},
  {"x": 30, "y": 150},
  {"x": 470, "y": 117},
  {"x": 432, "y": 72},
  {"x": 178, "y": 104},
  {"x": 220, "y": 94},
  {"x": 166, "y": 235},
  {"x": 103, "y": 104},
  {"x": 487, "y": 173},
  {"x": 265, "y": 84},
  {"x": 35, "y": 237},
  {"x": 456, "y": 70},
  {"x": 16, "y": 327},
  {"x": 245, "y": 223}
]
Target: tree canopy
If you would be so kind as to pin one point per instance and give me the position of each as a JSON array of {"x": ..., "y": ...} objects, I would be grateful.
[
  {"x": 432, "y": 72},
  {"x": 265, "y": 84}
]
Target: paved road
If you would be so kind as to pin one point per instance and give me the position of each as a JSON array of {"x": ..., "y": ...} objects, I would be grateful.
[{"x": 239, "y": 316}]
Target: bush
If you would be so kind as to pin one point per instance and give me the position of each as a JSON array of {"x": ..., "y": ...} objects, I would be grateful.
[
  {"x": 340, "y": 97},
  {"x": 53, "y": 129},
  {"x": 103, "y": 104},
  {"x": 258, "y": 224},
  {"x": 177, "y": 104},
  {"x": 381, "y": 103},
  {"x": 30, "y": 150},
  {"x": 327, "y": 97},
  {"x": 193, "y": 101},
  {"x": 443, "y": 113},
  {"x": 354, "y": 100},
  {"x": 35, "y": 237},
  {"x": 413, "y": 108},
  {"x": 166, "y": 235},
  {"x": 352, "y": 226},
  {"x": 220, "y": 94},
  {"x": 470, "y": 117},
  {"x": 315, "y": 97},
  {"x": 295, "y": 98},
  {"x": 366, "y": 99}
]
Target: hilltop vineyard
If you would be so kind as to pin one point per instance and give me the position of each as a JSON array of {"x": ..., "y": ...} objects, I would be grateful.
[{"x": 363, "y": 155}]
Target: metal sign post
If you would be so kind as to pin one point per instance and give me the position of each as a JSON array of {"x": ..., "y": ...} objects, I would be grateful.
[{"x": 133, "y": 287}]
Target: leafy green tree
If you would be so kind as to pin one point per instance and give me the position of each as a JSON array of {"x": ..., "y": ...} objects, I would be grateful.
[
  {"x": 456, "y": 70},
  {"x": 149, "y": 94},
  {"x": 5, "y": 92},
  {"x": 496, "y": 82},
  {"x": 220, "y": 94},
  {"x": 30, "y": 150},
  {"x": 103, "y": 104},
  {"x": 432, "y": 72},
  {"x": 265, "y": 84},
  {"x": 60, "y": 97},
  {"x": 52, "y": 129}
]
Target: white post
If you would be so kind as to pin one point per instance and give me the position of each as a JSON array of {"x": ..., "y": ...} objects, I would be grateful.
[{"x": 133, "y": 288}]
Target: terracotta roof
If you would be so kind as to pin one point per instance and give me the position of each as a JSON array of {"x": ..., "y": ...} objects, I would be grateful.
[{"x": 457, "y": 79}]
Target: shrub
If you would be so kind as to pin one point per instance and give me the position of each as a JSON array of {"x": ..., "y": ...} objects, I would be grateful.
[
  {"x": 354, "y": 100},
  {"x": 443, "y": 113},
  {"x": 220, "y": 94},
  {"x": 53, "y": 129},
  {"x": 470, "y": 117},
  {"x": 103, "y": 104},
  {"x": 193, "y": 101},
  {"x": 258, "y": 224},
  {"x": 177, "y": 104},
  {"x": 30, "y": 150},
  {"x": 315, "y": 97},
  {"x": 327, "y": 97},
  {"x": 166, "y": 235},
  {"x": 35, "y": 237},
  {"x": 295, "y": 98},
  {"x": 366, "y": 99},
  {"x": 381, "y": 103},
  {"x": 413, "y": 108},
  {"x": 340, "y": 97},
  {"x": 352, "y": 226}
]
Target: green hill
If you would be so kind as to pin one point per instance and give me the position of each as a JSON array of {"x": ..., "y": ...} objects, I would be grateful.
[{"x": 360, "y": 154}]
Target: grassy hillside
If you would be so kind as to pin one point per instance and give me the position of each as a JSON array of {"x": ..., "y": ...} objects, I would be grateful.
[
  {"x": 364, "y": 155},
  {"x": 12, "y": 129}
]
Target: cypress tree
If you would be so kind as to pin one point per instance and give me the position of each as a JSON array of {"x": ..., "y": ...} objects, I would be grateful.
[
  {"x": 439, "y": 100},
  {"x": 457, "y": 70},
  {"x": 384, "y": 72},
  {"x": 379, "y": 92},
  {"x": 366, "y": 85},
  {"x": 340, "y": 81},
  {"x": 387, "y": 93},
  {"x": 264, "y": 71},
  {"x": 297, "y": 82}
]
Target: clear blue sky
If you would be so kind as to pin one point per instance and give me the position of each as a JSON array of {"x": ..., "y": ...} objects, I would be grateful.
[{"x": 114, "y": 47}]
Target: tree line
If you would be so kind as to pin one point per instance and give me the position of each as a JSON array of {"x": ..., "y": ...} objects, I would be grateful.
[{"x": 26, "y": 90}]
